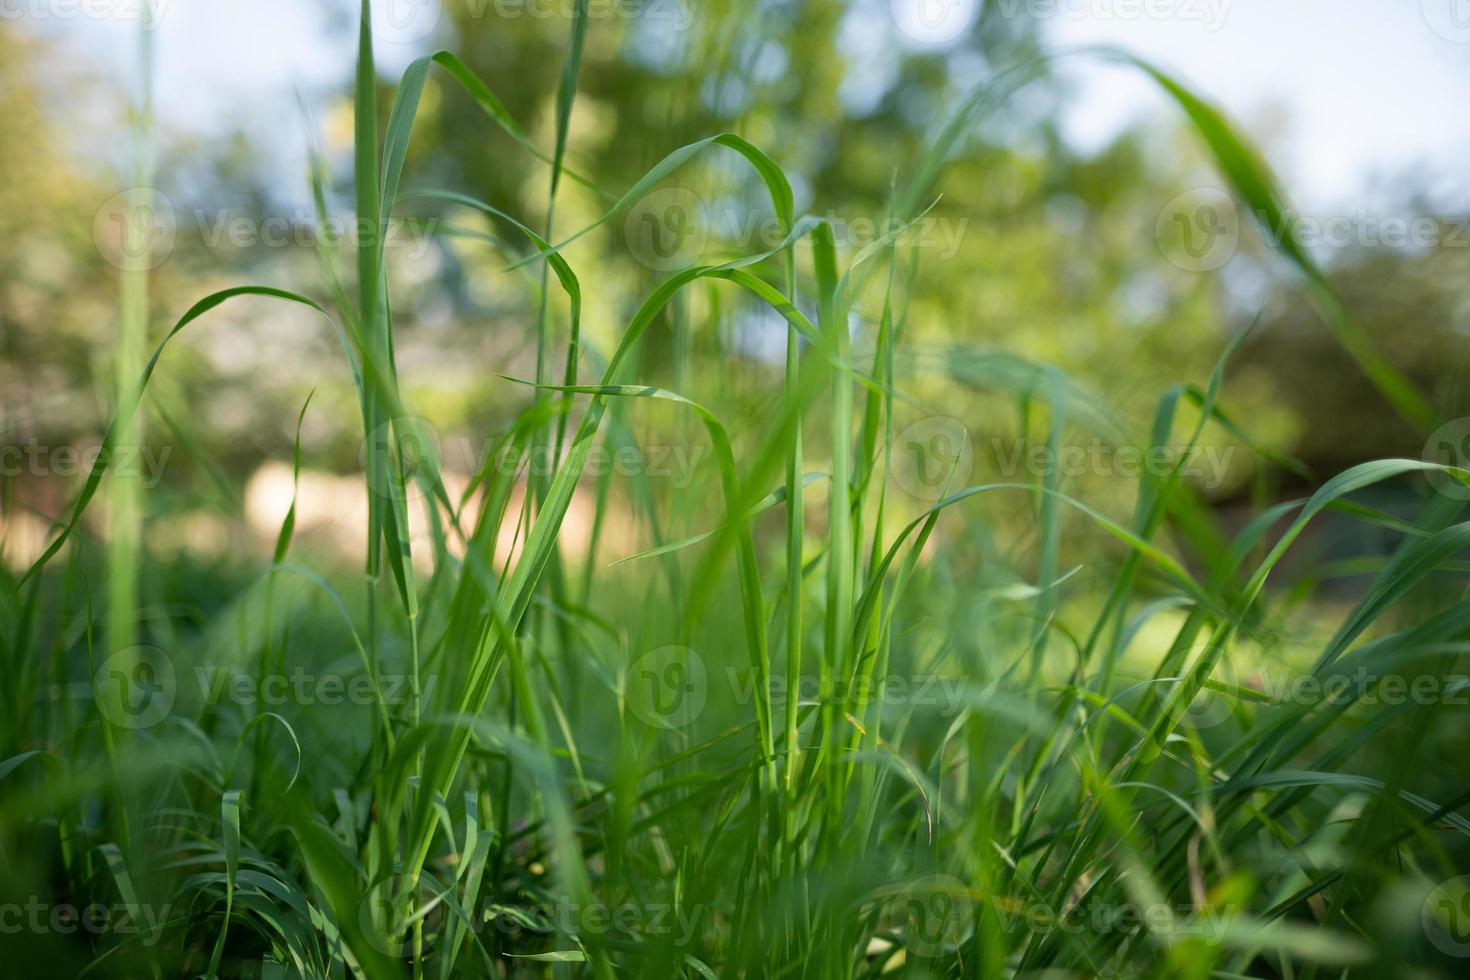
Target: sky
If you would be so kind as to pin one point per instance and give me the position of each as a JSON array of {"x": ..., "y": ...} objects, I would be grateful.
[
  {"x": 1350, "y": 90},
  {"x": 1370, "y": 88}
]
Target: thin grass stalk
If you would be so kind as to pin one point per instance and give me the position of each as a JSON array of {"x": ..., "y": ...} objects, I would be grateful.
[{"x": 125, "y": 517}]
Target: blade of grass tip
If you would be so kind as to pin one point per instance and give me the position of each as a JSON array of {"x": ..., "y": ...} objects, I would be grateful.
[
  {"x": 111, "y": 438},
  {"x": 1356, "y": 478},
  {"x": 269, "y": 664},
  {"x": 832, "y": 321},
  {"x": 873, "y": 647},
  {"x": 1152, "y": 502},
  {"x": 369, "y": 271},
  {"x": 333, "y": 875},
  {"x": 318, "y": 175},
  {"x": 230, "y": 820},
  {"x": 372, "y": 346},
  {"x": 750, "y": 586},
  {"x": 1050, "y": 521},
  {"x": 395, "y": 151},
  {"x": 795, "y": 541},
  {"x": 390, "y": 434},
  {"x": 1247, "y": 174},
  {"x": 513, "y": 600},
  {"x": 486, "y": 99},
  {"x": 566, "y": 94},
  {"x": 778, "y": 188},
  {"x": 1257, "y": 187},
  {"x": 117, "y": 865}
]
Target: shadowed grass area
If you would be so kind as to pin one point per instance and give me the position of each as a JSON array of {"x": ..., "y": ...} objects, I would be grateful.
[{"x": 840, "y": 718}]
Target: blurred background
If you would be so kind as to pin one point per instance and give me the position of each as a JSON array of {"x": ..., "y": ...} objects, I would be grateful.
[{"x": 1080, "y": 226}]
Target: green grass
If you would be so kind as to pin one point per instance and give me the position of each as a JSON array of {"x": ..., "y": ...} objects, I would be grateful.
[{"x": 514, "y": 799}]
